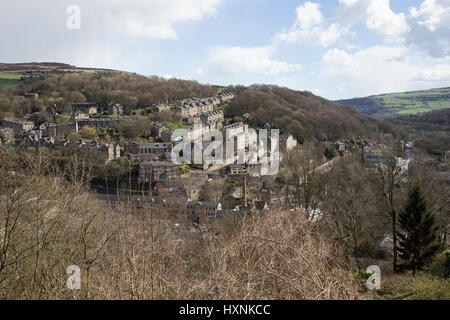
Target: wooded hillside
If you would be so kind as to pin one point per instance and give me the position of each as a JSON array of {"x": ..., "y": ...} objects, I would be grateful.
[{"x": 303, "y": 114}]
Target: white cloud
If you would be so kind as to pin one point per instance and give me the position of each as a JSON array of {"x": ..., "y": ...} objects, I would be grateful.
[
  {"x": 432, "y": 14},
  {"x": 382, "y": 69},
  {"x": 426, "y": 27},
  {"x": 378, "y": 17},
  {"x": 250, "y": 61},
  {"x": 113, "y": 33},
  {"x": 164, "y": 31},
  {"x": 348, "y": 2},
  {"x": 378, "y": 69},
  {"x": 153, "y": 19},
  {"x": 431, "y": 27},
  {"x": 308, "y": 15},
  {"x": 311, "y": 28},
  {"x": 337, "y": 57},
  {"x": 382, "y": 20},
  {"x": 438, "y": 73}
]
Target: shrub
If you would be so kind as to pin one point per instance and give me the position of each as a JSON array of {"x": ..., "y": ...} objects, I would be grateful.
[
  {"x": 88, "y": 133},
  {"x": 438, "y": 267},
  {"x": 367, "y": 249},
  {"x": 331, "y": 153},
  {"x": 447, "y": 265},
  {"x": 423, "y": 288}
]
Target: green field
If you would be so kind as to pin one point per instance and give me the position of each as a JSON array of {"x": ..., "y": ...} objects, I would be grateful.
[
  {"x": 416, "y": 102},
  {"x": 386, "y": 105},
  {"x": 414, "y": 111},
  {"x": 177, "y": 125},
  {"x": 439, "y": 105},
  {"x": 9, "y": 80}
]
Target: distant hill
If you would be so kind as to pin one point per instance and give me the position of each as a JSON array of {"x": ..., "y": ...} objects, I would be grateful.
[
  {"x": 45, "y": 67},
  {"x": 303, "y": 114},
  {"x": 14, "y": 74},
  {"x": 430, "y": 131},
  {"x": 387, "y": 105},
  {"x": 427, "y": 120},
  {"x": 439, "y": 117}
]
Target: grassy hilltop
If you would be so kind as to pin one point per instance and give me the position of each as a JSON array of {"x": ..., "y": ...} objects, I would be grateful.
[
  {"x": 386, "y": 105},
  {"x": 12, "y": 75}
]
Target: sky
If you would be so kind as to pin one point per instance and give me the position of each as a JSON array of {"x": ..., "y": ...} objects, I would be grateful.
[{"x": 334, "y": 48}]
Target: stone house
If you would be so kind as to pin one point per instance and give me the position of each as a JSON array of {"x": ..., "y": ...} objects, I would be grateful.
[
  {"x": 214, "y": 116},
  {"x": 57, "y": 129},
  {"x": 340, "y": 146},
  {"x": 79, "y": 115},
  {"x": 196, "y": 209},
  {"x": 174, "y": 205},
  {"x": 96, "y": 123},
  {"x": 88, "y": 108},
  {"x": 225, "y": 97},
  {"x": 192, "y": 119},
  {"x": 109, "y": 152},
  {"x": 235, "y": 129},
  {"x": 237, "y": 169},
  {"x": 287, "y": 142},
  {"x": 157, "y": 129},
  {"x": 147, "y": 151},
  {"x": 161, "y": 107},
  {"x": 214, "y": 101},
  {"x": 7, "y": 134},
  {"x": 158, "y": 171},
  {"x": 188, "y": 111},
  {"x": 205, "y": 107},
  {"x": 115, "y": 109},
  {"x": 31, "y": 95},
  {"x": 18, "y": 126}
]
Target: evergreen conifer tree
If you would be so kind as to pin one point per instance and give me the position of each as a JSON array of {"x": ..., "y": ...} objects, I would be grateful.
[{"x": 419, "y": 235}]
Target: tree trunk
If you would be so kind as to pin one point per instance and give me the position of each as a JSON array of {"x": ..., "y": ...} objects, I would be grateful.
[{"x": 394, "y": 240}]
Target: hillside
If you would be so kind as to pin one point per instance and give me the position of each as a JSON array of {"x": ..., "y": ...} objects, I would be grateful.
[
  {"x": 14, "y": 74},
  {"x": 387, "y": 105},
  {"x": 45, "y": 67},
  {"x": 60, "y": 85},
  {"x": 306, "y": 116},
  {"x": 437, "y": 117},
  {"x": 303, "y": 114},
  {"x": 431, "y": 130}
]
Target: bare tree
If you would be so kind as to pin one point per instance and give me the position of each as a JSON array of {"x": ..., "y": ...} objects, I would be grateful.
[
  {"x": 304, "y": 177},
  {"x": 389, "y": 174},
  {"x": 144, "y": 252},
  {"x": 349, "y": 203}
]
